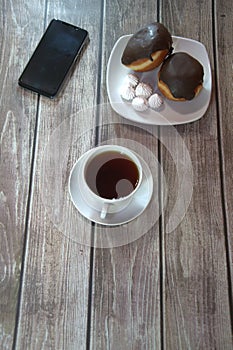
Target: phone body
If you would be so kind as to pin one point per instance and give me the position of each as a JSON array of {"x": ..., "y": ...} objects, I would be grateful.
[{"x": 53, "y": 58}]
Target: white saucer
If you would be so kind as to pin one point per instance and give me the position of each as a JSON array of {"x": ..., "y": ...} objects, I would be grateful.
[
  {"x": 136, "y": 207},
  {"x": 171, "y": 112}
]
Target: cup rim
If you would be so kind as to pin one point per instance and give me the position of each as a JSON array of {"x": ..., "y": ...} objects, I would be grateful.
[{"x": 137, "y": 163}]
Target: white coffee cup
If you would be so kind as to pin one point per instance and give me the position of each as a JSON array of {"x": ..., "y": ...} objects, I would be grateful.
[{"x": 92, "y": 169}]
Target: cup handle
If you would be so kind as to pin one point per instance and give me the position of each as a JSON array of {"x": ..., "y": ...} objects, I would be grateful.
[{"x": 104, "y": 211}]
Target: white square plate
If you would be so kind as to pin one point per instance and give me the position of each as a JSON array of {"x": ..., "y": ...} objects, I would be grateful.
[{"x": 171, "y": 112}]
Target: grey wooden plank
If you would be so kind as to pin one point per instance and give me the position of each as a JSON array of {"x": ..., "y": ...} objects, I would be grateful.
[
  {"x": 223, "y": 11},
  {"x": 53, "y": 308},
  {"x": 17, "y": 123},
  {"x": 126, "y": 279},
  {"x": 196, "y": 304}
]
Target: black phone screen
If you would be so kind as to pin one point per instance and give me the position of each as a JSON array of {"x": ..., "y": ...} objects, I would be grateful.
[{"x": 53, "y": 58}]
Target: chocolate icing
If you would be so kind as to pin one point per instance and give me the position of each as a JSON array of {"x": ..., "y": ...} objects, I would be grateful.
[
  {"x": 146, "y": 41},
  {"x": 182, "y": 73}
]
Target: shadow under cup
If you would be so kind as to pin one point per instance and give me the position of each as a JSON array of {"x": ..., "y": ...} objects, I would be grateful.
[{"x": 111, "y": 176}]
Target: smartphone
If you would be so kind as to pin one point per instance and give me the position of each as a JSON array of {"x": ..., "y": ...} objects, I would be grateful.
[{"x": 53, "y": 59}]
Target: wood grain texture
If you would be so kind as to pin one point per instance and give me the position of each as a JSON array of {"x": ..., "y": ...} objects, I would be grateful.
[
  {"x": 224, "y": 27},
  {"x": 126, "y": 280},
  {"x": 196, "y": 304},
  {"x": 167, "y": 291},
  {"x": 17, "y": 124},
  {"x": 53, "y": 308}
]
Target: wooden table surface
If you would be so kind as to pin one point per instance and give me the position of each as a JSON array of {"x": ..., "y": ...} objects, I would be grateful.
[{"x": 162, "y": 290}]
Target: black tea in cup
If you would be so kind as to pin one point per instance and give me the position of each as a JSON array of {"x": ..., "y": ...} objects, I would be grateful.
[{"x": 112, "y": 175}]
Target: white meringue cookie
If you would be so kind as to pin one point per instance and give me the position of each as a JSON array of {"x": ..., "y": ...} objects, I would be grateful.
[
  {"x": 155, "y": 101},
  {"x": 132, "y": 79},
  {"x": 127, "y": 92},
  {"x": 144, "y": 90},
  {"x": 139, "y": 103}
]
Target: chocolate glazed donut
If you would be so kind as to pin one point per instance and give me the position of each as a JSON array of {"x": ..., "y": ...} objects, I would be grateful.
[
  {"x": 147, "y": 48},
  {"x": 180, "y": 77}
]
